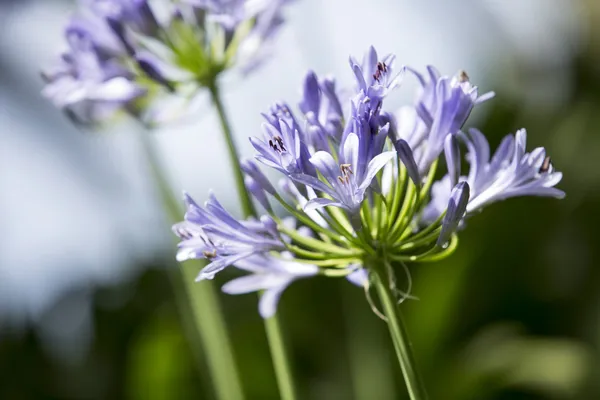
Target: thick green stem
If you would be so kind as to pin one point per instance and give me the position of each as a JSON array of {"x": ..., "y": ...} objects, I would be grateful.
[
  {"x": 234, "y": 158},
  {"x": 272, "y": 327},
  {"x": 399, "y": 336},
  {"x": 202, "y": 299}
]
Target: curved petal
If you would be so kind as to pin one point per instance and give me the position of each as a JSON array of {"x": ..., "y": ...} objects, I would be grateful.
[
  {"x": 360, "y": 277},
  {"x": 325, "y": 163},
  {"x": 350, "y": 150},
  {"x": 321, "y": 202},
  {"x": 267, "y": 305},
  {"x": 313, "y": 183},
  {"x": 220, "y": 264},
  {"x": 250, "y": 283},
  {"x": 374, "y": 166}
]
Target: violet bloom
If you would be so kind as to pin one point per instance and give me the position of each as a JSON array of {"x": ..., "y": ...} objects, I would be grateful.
[
  {"x": 87, "y": 84},
  {"x": 511, "y": 172},
  {"x": 384, "y": 223},
  {"x": 162, "y": 58},
  {"x": 259, "y": 19},
  {"x": 322, "y": 108},
  {"x": 375, "y": 77},
  {"x": 346, "y": 182},
  {"x": 442, "y": 107},
  {"x": 271, "y": 275},
  {"x": 283, "y": 149},
  {"x": 210, "y": 232}
]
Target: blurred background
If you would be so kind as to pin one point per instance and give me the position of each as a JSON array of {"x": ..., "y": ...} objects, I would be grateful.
[{"x": 86, "y": 309}]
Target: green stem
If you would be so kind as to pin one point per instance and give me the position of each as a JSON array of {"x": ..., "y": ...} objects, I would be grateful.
[
  {"x": 203, "y": 299},
  {"x": 234, "y": 158},
  {"x": 399, "y": 336},
  {"x": 272, "y": 327},
  {"x": 283, "y": 373}
]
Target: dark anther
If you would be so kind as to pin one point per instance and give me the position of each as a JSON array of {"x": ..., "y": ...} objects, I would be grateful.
[
  {"x": 279, "y": 141},
  {"x": 462, "y": 76},
  {"x": 545, "y": 165}
]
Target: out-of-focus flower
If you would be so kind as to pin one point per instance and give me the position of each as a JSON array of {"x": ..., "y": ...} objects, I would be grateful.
[
  {"x": 88, "y": 85},
  {"x": 364, "y": 198},
  {"x": 125, "y": 54}
]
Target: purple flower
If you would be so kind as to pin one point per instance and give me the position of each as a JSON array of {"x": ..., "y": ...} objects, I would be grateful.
[
  {"x": 271, "y": 275},
  {"x": 347, "y": 181},
  {"x": 443, "y": 106},
  {"x": 369, "y": 125},
  {"x": 265, "y": 17},
  {"x": 375, "y": 77},
  {"x": 511, "y": 172},
  {"x": 120, "y": 50},
  {"x": 210, "y": 232},
  {"x": 283, "y": 149},
  {"x": 322, "y": 108},
  {"x": 87, "y": 84}
]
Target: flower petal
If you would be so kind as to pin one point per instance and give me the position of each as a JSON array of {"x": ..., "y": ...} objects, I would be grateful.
[
  {"x": 373, "y": 168},
  {"x": 321, "y": 202}
]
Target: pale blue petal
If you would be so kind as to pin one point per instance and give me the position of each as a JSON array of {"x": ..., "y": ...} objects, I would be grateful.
[
  {"x": 321, "y": 202},
  {"x": 267, "y": 305},
  {"x": 373, "y": 168}
]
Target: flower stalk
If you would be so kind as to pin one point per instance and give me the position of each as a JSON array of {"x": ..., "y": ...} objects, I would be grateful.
[
  {"x": 273, "y": 330},
  {"x": 399, "y": 335}
]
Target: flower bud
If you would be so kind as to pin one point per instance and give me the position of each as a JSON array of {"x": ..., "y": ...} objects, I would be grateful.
[
  {"x": 257, "y": 192},
  {"x": 452, "y": 153},
  {"x": 406, "y": 156},
  {"x": 457, "y": 206}
]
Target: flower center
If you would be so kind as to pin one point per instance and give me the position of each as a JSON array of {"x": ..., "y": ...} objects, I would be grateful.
[
  {"x": 381, "y": 69},
  {"x": 346, "y": 170},
  {"x": 276, "y": 143}
]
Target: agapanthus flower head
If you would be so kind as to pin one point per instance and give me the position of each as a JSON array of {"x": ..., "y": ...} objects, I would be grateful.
[
  {"x": 155, "y": 53},
  {"x": 363, "y": 197}
]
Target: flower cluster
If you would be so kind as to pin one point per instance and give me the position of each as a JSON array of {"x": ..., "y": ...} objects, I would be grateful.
[
  {"x": 360, "y": 183},
  {"x": 122, "y": 54}
]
